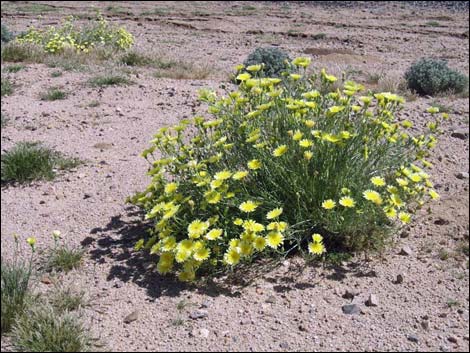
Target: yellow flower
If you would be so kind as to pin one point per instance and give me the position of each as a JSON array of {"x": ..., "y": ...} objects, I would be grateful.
[
  {"x": 335, "y": 109},
  {"x": 202, "y": 254},
  {"x": 223, "y": 175},
  {"x": 404, "y": 217},
  {"x": 302, "y": 61},
  {"x": 254, "y": 68},
  {"x": 297, "y": 135},
  {"x": 295, "y": 77},
  {"x": 254, "y": 164},
  {"x": 197, "y": 228},
  {"x": 232, "y": 257},
  {"x": 56, "y": 234},
  {"x": 378, "y": 181},
  {"x": 216, "y": 184},
  {"x": 396, "y": 200},
  {"x": 434, "y": 195},
  {"x": 373, "y": 196},
  {"x": 169, "y": 243},
  {"x": 182, "y": 255},
  {"x": 279, "y": 151},
  {"x": 163, "y": 267},
  {"x": 274, "y": 239},
  {"x": 415, "y": 177},
  {"x": 279, "y": 226},
  {"x": 402, "y": 182},
  {"x": 316, "y": 248},
  {"x": 239, "y": 175},
  {"x": 433, "y": 110},
  {"x": 391, "y": 212},
  {"x": 259, "y": 243},
  {"x": 252, "y": 226},
  {"x": 347, "y": 201},
  {"x": 317, "y": 238},
  {"x": 186, "y": 276},
  {"x": 328, "y": 204},
  {"x": 170, "y": 188},
  {"x": 238, "y": 221},
  {"x": 306, "y": 143},
  {"x": 212, "y": 197},
  {"x": 214, "y": 234},
  {"x": 308, "y": 155},
  {"x": 245, "y": 248},
  {"x": 274, "y": 213},
  {"x": 248, "y": 206},
  {"x": 309, "y": 123},
  {"x": 31, "y": 241},
  {"x": 243, "y": 77}
]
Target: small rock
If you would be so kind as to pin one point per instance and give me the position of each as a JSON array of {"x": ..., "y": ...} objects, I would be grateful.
[
  {"x": 452, "y": 339},
  {"x": 284, "y": 345},
  {"x": 404, "y": 234},
  {"x": 351, "y": 309},
  {"x": 441, "y": 221},
  {"x": 462, "y": 175},
  {"x": 86, "y": 196},
  {"x": 302, "y": 328},
  {"x": 350, "y": 294},
  {"x": 131, "y": 317},
  {"x": 372, "y": 300},
  {"x": 198, "y": 314},
  {"x": 460, "y": 134},
  {"x": 406, "y": 251},
  {"x": 46, "y": 280},
  {"x": 42, "y": 202},
  {"x": 204, "y": 332},
  {"x": 206, "y": 303},
  {"x": 425, "y": 325},
  {"x": 271, "y": 299},
  {"x": 400, "y": 278},
  {"x": 413, "y": 338}
]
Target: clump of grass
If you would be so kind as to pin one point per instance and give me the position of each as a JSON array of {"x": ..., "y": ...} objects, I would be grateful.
[
  {"x": 43, "y": 329},
  {"x": 16, "y": 52},
  {"x": 108, "y": 80},
  {"x": 452, "y": 303},
  {"x": 64, "y": 259},
  {"x": 4, "y": 120},
  {"x": 66, "y": 299},
  {"x": 443, "y": 255},
  {"x": 53, "y": 94},
  {"x": 7, "y": 87},
  {"x": 433, "y": 24},
  {"x": 15, "y": 278},
  {"x": 318, "y": 36},
  {"x": 181, "y": 71},
  {"x": 56, "y": 73},
  {"x": 28, "y": 161},
  {"x": 94, "y": 104},
  {"x": 14, "y": 68},
  {"x": 134, "y": 58}
]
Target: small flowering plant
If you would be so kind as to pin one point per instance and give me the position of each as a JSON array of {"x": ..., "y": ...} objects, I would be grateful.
[{"x": 282, "y": 164}]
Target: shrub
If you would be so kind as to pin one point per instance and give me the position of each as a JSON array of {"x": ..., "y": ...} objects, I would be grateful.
[
  {"x": 14, "y": 68},
  {"x": 66, "y": 299},
  {"x": 108, "y": 80},
  {"x": 7, "y": 87},
  {"x": 431, "y": 76},
  {"x": 69, "y": 35},
  {"x": 29, "y": 161},
  {"x": 282, "y": 167},
  {"x": 274, "y": 60},
  {"x": 17, "y": 52},
  {"x": 53, "y": 94},
  {"x": 15, "y": 278},
  {"x": 6, "y": 34},
  {"x": 43, "y": 329}
]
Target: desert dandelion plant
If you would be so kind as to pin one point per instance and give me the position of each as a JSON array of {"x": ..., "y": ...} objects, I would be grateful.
[{"x": 281, "y": 164}]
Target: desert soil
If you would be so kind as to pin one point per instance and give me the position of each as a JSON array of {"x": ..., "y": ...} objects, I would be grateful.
[{"x": 291, "y": 306}]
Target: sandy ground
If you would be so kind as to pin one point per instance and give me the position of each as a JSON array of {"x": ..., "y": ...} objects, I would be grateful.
[{"x": 290, "y": 307}]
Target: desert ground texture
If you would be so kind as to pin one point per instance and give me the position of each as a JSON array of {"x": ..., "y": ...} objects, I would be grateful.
[{"x": 290, "y": 306}]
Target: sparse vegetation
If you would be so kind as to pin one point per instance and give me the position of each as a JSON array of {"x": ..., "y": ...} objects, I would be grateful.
[
  {"x": 56, "y": 73},
  {"x": 181, "y": 71},
  {"x": 6, "y": 35},
  {"x": 14, "y": 68},
  {"x": 53, "y": 94},
  {"x": 7, "y": 87},
  {"x": 274, "y": 60},
  {"x": 29, "y": 161},
  {"x": 64, "y": 259},
  {"x": 109, "y": 80},
  {"x": 67, "y": 299}
]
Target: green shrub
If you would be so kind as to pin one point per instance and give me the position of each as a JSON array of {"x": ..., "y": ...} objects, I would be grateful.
[
  {"x": 14, "y": 68},
  {"x": 61, "y": 258},
  {"x": 53, "y": 94},
  {"x": 7, "y": 87},
  {"x": 6, "y": 34},
  {"x": 108, "y": 80},
  {"x": 274, "y": 60},
  {"x": 282, "y": 167},
  {"x": 29, "y": 161},
  {"x": 432, "y": 76},
  {"x": 70, "y": 35},
  {"x": 66, "y": 299},
  {"x": 43, "y": 329}
]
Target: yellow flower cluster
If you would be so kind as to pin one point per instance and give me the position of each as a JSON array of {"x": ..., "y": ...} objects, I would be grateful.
[{"x": 280, "y": 157}]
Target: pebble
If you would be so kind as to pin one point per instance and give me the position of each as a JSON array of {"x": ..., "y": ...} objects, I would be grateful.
[
  {"x": 413, "y": 338},
  {"x": 452, "y": 339},
  {"x": 406, "y": 251},
  {"x": 461, "y": 134},
  {"x": 131, "y": 317},
  {"x": 206, "y": 304},
  {"x": 372, "y": 300},
  {"x": 441, "y": 221},
  {"x": 462, "y": 175},
  {"x": 284, "y": 345},
  {"x": 271, "y": 299},
  {"x": 400, "y": 278},
  {"x": 351, "y": 309},
  {"x": 350, "y": 294},
  {"x": 198, "y": 314},
  {"x": 204, "y": 332}
]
